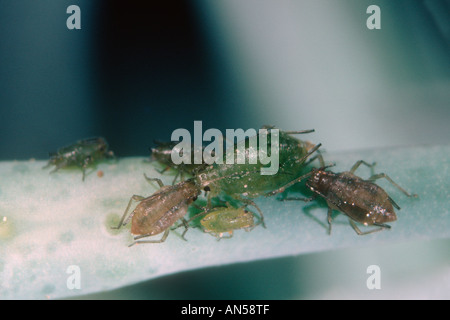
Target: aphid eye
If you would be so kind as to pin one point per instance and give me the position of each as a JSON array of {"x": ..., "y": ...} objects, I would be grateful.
[{"x": 207, "y": 188}]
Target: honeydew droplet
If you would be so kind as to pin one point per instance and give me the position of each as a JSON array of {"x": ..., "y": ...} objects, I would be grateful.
[{"x": 6, "y": 228}]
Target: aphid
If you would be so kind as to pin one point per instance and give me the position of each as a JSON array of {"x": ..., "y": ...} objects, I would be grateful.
[
  {"x": 158, "y": 212},
  {"x": 224, "y": 220},
  {"x": 162, "y": 153},
  {"x": 82, "y": 154},
  {"x": 244, "y": 181},
  {"x": 362, "y": 201}
]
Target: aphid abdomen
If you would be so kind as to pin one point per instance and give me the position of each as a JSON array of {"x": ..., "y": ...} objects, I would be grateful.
[
  {"x": 362, "y": 201},
  {"x": 227, "y": 220},
  {"x": 246, "y": 179},
  {"x": 365, "y": 202},
  {"x": 152, "y": 220},
  {"x": 160, "y": 211}
]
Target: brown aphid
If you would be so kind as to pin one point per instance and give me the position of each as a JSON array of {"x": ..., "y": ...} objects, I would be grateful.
[
  {"x": 360, "y": 200},
  {"x": 158, "y": 212}
]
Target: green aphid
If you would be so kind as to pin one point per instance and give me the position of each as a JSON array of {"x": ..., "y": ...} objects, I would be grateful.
[
  {"x": 81, "y": 154},
  {"x": 222, "y": 220},
  {"x": 245, "y": 181}
]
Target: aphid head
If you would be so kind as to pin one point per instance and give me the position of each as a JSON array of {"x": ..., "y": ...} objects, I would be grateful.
[
  {"x": 102, "y": 144},
  {"x": 162, "y": 151},
  {"x": 319, "y": 179},
  {"x": 100, "y": 147},
  {"x": 314, "y": 180}
]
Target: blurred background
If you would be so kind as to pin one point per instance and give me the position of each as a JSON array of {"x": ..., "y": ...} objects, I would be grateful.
[{"x": 136, "y": 71}]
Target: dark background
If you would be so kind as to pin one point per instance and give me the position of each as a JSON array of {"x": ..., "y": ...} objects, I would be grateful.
[
  {"x": 136, "y": 71},
  {"x": 133, "y": 73}
]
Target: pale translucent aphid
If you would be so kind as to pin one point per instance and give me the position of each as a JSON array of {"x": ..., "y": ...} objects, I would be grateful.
[{"x": 220, "y": 221}]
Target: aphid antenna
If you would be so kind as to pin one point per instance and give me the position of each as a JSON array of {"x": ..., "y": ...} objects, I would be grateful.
[
  {"x": 303, "y": 177},
  {"x": 302, "y": 159},
  {"x": 160, "y": 143},
  {"x": 289, "y": 132},
  {"x": 300, "y": 131},
  {"x": 92, "y": 140},
  {"x": 327, "y": 166}
]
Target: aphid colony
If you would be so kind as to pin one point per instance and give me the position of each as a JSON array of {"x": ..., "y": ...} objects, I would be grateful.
[{"x": 231, "y": 188}]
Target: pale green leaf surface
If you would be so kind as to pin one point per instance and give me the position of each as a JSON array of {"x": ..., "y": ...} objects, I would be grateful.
[{"x": 52, "y": 221}]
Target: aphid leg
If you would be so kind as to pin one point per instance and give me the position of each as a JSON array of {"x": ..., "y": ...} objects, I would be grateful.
[
  {"x": 58, "y": 166},
  {"x": 163, "y": 170},
  {"x": 122, "y": 220},
  {"x": 394, "y": 203},
  {"x": 178, "y": 174},
  {"x": 221, "y": 235},
  {"x": 85, "y": 164},
  {"x": 360, "y": 162},
  {"x": 208, "y": 199},
  {"x": 186, "y": 226},
  {"x": 160, "y": 183},
  {"x": 252, "y": 203},
  {"x": 383, "y": 175},
  {"x": 185, "y": 222},
  {"x": 164, "y": 237},
  {"x": 47, "y": 165},
  {"x": 360, "y": 233},
  {"x": 299, "y": 199},
  {"x": 329, "y": 219}
]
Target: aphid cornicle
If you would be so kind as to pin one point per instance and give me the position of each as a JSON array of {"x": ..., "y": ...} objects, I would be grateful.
[
  {"x": 157, "y": 213},
  {"x": 362, "y": 201},
  {"x": 82, "y": 154}
]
